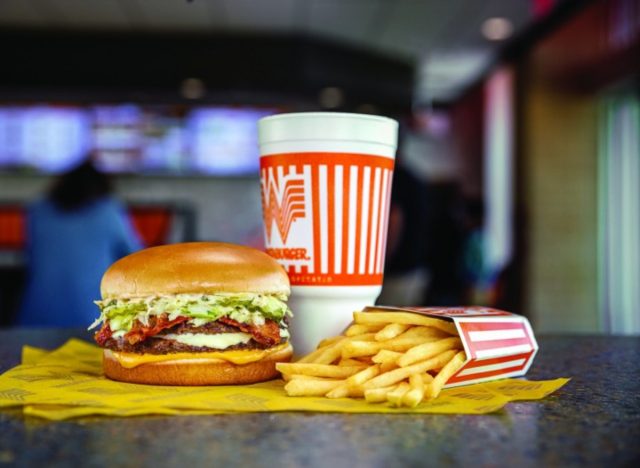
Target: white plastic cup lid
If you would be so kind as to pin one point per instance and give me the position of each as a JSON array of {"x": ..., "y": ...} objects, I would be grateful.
[{"x": 328, "y": 126}]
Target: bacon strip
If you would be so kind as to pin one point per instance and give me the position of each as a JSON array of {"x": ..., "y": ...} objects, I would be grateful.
[
  {"x": 267, "y": 334},
  {"x": 141, "y": 332},
  {"x": 103, "y": 334}
]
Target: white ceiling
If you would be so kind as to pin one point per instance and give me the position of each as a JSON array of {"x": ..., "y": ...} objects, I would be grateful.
[{"x": 441, "y": 36}]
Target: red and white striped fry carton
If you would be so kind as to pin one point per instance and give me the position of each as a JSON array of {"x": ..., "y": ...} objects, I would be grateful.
[{"x": 498, "y": 344}]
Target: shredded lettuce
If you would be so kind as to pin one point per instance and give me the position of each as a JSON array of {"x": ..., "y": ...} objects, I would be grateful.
[{"x": 200, "y": 308}]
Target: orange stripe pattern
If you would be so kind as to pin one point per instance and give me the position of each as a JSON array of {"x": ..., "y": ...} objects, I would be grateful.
[{"x": 326, "y": 215}]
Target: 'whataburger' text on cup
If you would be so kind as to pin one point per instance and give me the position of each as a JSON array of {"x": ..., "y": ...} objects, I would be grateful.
[{"x": 326, "y": 215}]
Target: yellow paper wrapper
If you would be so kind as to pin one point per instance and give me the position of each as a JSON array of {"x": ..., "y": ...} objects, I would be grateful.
[{"x": 68, "y": 382}]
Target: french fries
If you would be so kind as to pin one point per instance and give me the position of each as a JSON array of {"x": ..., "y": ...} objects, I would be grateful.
[
  {"x": 357, "y": 348},
  {"x": 306, "y": 377},
  {"x": 432, "y": 390},
  {"x": 341, "y": 391},
  {"x": 388, "y": 366},
  {"x": 396, "y": 395},
  {"x": 331, "y": 352},
  {"x": 350, "y": 362},
  {"x": 304, "y": 387},
  {"x": 402, "y": 373},
  {"x": 395, "y": 357},
  {"x": 362, "y": 376},
  {"x": 318, "y": 370},
  {"x": 361, "y": 329},
  {"x": 328, "y": 341},
  {"x": 370, "y": 318},
  {"x": 391, "y": 331},
  {"x": 415, "y": 394},
  {"x": 428, "y": 350},
  {"x": 385, "y": 355},
  {"x": 378, "y": 395}
]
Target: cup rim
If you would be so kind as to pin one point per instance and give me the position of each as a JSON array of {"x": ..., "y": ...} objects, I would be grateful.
[{"x": 341, "y": 115}]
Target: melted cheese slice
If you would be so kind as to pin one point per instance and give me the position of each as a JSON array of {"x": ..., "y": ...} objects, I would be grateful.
[
  {"x": 219, "y": 341},
  {"x": 243, "y": 356}
]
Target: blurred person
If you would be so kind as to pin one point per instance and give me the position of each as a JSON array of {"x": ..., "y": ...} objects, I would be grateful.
[
  {"x": 73, "y": 234},
  {"x": 406, "y": 275},
  {"x": 417, "y": 245},
  {"x": 446, "y": 246},
  {"x": 478, "y": 279}
]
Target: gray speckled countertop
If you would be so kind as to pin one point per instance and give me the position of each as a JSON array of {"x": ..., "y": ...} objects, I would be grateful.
[{"x": 593, "y": 421}]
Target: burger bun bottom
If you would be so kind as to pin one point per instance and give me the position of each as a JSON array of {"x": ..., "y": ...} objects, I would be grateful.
[{"x": 196, "y": 371}]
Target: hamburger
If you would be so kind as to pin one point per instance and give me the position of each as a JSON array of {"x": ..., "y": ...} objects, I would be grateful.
[{"x": 201, "y": 313}]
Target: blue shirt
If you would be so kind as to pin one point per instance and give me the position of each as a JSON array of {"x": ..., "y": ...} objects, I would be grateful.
[{"x": 67, "y": 254}]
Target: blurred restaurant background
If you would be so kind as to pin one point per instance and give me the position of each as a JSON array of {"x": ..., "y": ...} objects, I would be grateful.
[{"x": 517, "y": 182}]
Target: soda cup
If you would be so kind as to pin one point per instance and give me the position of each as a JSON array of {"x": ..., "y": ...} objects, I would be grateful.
[{"x": 326, "y": 188}]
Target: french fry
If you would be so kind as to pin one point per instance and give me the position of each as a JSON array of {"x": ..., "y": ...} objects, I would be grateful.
[
  {"x": 427, "y": 378},
  {"x": 304, "y": 387},
  {"x": 391, "y": 331},
  {"x": 351, "y": 362},
  {"x": 388, "y": 366},
  {"x": 364, "y": 360},
  {"x": 369, "y": 318},
  {"x": 421, "y": 332},
  {"x": 288, "y": 377},
  {"x": 385, "y": 356},
  {"x": 313, "y": 355},
  {"x": 331, "y": 352},
  {"x": 377, "y": 395},
  {"x": 341, "y": 391},
  {"x": 415, "y": 394},
  {"x": 403, "y": 344},
  {"x": 329, "y": 341},
  {"x": 344, "y": 391},
  {"x": 360, "y": 329},
  {"x": 318, "y": 370},
  {"x": 360, "y": 348},
  {"x": 396, "y": 395},
  {"x": 363, "y": 376},
  {"x": 322, "y": 348},
  {"x": 363, "y": 337},
  {"x": 428, "y": 350},
  {"x": 402, "y": 373},
  {"x": 432, "y": 389},
  {"x": 413, "y": 337}
]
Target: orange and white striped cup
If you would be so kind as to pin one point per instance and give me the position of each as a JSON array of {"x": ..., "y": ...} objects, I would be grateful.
[{"x": 326, "y": 188}]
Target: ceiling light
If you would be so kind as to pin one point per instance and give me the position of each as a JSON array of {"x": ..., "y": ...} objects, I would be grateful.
[
  {"x": 497, "y": 29},
  {"x": 193, "y": 88},
  {"x": 331, "y": 97}
]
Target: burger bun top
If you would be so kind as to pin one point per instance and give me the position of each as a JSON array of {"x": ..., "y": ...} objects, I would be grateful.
[{"x": 194, "y": 267}]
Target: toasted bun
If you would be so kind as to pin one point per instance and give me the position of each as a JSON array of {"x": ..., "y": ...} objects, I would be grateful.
[
  {"x": 196, "y": 372},
  {"x": 194, "y": 267}
]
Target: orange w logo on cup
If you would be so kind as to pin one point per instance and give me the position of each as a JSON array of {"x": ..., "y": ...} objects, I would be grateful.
[
  {"x": 334, "y": 234},
  {"x": 282, "y": 203},
  {"x": 326, "y": 188}
]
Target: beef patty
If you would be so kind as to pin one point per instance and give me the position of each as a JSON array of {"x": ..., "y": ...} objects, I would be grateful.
[{"x": 158, "y": 345}]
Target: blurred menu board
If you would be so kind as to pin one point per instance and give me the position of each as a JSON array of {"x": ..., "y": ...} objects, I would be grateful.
[
  {"x": 116, "y": 137},
  {"x": 129, "y": 138},
  {"x": 45, "y": 138},
  {"x": 225, "y": 141}
]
